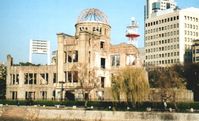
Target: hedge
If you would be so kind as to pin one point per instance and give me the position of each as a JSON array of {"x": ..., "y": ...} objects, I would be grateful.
[{"x": 108, "y": 105}]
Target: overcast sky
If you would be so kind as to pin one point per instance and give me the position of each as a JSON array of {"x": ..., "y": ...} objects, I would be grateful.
[{"x": 22, "y": 20}]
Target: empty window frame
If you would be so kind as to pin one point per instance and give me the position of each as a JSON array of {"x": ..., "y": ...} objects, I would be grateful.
[
  {"x": 115, "y": 60},
  {"x": 102, "y": 63},
  {"x": 71, "y": 76},
  {"x": 72, "y": 56}
]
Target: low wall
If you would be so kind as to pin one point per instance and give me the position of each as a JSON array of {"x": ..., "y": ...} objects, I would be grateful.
[{"x": 40, "y": 113}]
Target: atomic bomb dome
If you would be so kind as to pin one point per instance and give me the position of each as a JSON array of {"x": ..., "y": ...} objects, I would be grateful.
[{"x": 92, "y": 15}]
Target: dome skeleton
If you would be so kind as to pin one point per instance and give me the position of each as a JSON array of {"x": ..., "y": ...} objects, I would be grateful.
[{"x": 92, "y": 15}]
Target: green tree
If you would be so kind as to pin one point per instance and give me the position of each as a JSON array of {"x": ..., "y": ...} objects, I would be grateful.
[
  {"x": 168, "y": 81},
  {"x": 26, "y": 64},
  {"x": 130, "y": 82},
  {"x": 190, "y": 72},
  {"x": 2, "y": 81}
]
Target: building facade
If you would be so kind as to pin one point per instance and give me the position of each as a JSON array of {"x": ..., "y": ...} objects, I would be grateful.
[
  {"x": 82, "y": 65},
  {"x": 195, "y": 51},
  {"x": 169, "y": 37},
  {"x": 154, "y": 6},
  {"x": 39, "y": 47}
]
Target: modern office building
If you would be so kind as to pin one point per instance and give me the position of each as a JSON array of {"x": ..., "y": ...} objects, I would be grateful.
[
  {"x": 195, "y": 51},
  {"x": 169, "y": 36},
  {"x": 39, "y": 47},
  {"x": 82, "y": 65},
  {"x": 154, "y": 6}
]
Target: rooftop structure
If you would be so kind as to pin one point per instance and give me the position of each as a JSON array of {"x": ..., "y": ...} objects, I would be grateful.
[
  {"x": 131, "y": 32},
  {"x": 92, "y": 15},
  {"x": 154, "y": 6}
]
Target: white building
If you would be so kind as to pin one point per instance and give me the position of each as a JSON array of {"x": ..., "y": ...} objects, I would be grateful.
[
  {"x": 154, "y": 6},
  {"x": 39, "y": 47},
  {"x": 169, "y": 35}
]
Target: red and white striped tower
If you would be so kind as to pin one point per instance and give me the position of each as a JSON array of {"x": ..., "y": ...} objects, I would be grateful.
[{"x": 131, "y": 32}]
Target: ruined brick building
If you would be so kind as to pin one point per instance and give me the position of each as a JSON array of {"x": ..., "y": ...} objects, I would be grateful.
[{"x": 85, "y": 60}]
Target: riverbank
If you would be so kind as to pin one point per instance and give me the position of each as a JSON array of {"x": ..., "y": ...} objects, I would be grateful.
[{"x": 27, "y": 113}]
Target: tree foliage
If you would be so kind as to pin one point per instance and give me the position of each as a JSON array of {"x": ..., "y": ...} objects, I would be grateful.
[
  {"x": 190, "y": 72},
  {"x": 26, "y": 64},
  {"x": 2, "y": 81},
  {"x": 86, "y": 77},
  {"x": 132, "y": 83},
  {"x": 167, "y": 80}
]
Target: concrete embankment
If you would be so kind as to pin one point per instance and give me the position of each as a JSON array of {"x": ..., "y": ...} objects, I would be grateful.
[{"x": 63, "y": 114}]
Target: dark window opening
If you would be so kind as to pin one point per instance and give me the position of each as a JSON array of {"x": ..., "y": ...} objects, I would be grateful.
[
  {"x": 69, "y": 76},
  {"x": 101, "y": 45},
  {"x": 44, "y": 95},
  {"x": 72, "y": 56},
  {"x": 45, "y": 78},
  {"x": 54, "y": 78},
  {"x": 103, "y": 62},
  {"x": 26, "y": 78},
  {"x": 13, "y": 79},
  {"x": 197, "y": 50},
  {"x": 102, "y": 81},
  {"x": 86, "y": 96},
  {"x": 17, "y": 80},
  {"x": 69, "y": 95},
  {"x": 75, "y": 59},
  {"x": 30, "y": 78},
  {"x": 54, "y": 95},
  {"x": 14, "y": 95},
  {"x": 75, "y": 76},
  {"x": 30, "y": 95},
  {"x": 168, "y": 5},
  {"x": 65, "y": 56},
  {"x": 69, "y": 59},
  {"x": 35, "y": 78}
]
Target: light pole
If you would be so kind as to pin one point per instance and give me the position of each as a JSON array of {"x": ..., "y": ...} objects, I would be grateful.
[{"x": 62, "y": 89}]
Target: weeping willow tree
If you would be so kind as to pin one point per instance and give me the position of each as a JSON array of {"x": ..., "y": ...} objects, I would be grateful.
[{"x": 130, "y": 83}]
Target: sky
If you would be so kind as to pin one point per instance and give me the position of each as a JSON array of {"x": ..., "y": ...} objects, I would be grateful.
[{"x": 23, "y": 20}]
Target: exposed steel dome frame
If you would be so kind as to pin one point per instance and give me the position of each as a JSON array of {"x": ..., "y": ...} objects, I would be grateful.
[{"x": 92, "y": 15}]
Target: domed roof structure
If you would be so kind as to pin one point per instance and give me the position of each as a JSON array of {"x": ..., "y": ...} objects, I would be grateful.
[{"x": 92, "y": 15}]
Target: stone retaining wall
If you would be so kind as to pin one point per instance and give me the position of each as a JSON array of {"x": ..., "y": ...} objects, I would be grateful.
[{"x": 38, "y": 113}]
